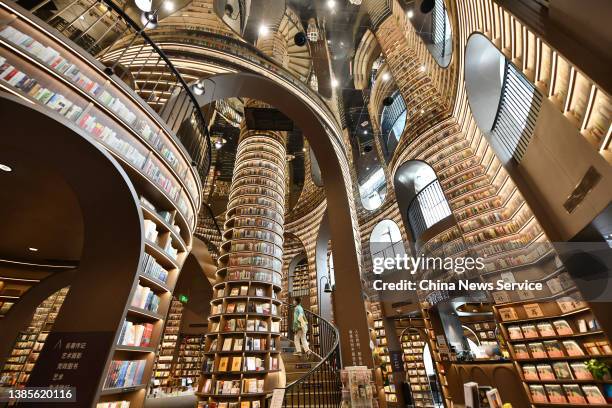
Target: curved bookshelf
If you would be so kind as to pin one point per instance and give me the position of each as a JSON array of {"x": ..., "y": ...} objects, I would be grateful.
[{"x": 40, "y": 65}]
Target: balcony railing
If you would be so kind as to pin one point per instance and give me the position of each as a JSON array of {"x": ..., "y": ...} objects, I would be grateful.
[
  {"x": 516, "y": 117},
  {"x": 96, "y": 26},
  {"x": 427, "y": 208}
]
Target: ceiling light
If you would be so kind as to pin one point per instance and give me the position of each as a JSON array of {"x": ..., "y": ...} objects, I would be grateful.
[
  {"x": 331, "y": 4},
  {"x": 198, "y": 88},
  {"x": 410, "y": 14},
  {"x": 329, "y": 41},
  {"x": 365, "y": 132},
  {"x": 422, "y": 111},
  {"x": 263, "y": 30},
  {"x": 367, "y": 168},
  {"x": 6, "y": 168},
  {"x": 168, "y": 6},
  {"x": 82, "y": 17},
  {"x": 144, "y": 5},
  {"x": 423, "y": 68},
  {"x": 33, "y": 249},
  {"x": 334, "y": 83},
  {"x": 385, "y": 76},
  {"x": 303, "y": 149}
]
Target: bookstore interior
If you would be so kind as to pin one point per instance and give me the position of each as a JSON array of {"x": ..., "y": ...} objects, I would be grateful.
[{"x": 305, "y": 203}]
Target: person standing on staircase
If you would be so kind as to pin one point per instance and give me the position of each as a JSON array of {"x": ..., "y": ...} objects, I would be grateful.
[{"x": 300, "y": 327}]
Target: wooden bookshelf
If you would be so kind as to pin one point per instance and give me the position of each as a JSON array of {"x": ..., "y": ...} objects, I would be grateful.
[
  {"x": 551, "y": 334},
  {"x": 24, "y": 355},
  {"x": 162, "y": 380},
  {"x": 413, "y": 347}
]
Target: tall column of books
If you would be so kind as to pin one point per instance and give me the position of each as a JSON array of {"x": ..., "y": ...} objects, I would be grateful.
[{"x": 241, "y": 364}]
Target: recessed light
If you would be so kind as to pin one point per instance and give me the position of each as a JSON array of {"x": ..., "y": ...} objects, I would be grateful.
[
  {"x": 33, "y": 249},
  {"x": 410, "y": 14},
  {"x": 168, "y": 6},
  {"x": 334, "y": 83},
  {"x": 6, "y": 168},
  {"x": 303, "y": 149},
  {"x": 331, "y": 4},
  {"x": 385, "y": 76},
  {"x": 263, "y": 30},
  {"x": 365, "y": 132},
  {"x": 423, "y": 68}
]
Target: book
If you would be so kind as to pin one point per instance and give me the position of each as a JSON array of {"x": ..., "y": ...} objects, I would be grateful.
[
  {"x": 545, "y": 372},
  {"x": 494, "y": 398},
  {"x": 582, "y": 325},
  {"x": 227, "y": 344},
  {"x": 515, "y": 332},
  {"x": 604, "y": 346},
  {"x": 238, "y": 344},
  {"x": 572, "y": 348},
  {"x": 555, "y": 393},
  {"x": 520, "y": 351},
  {"x": 530, "y": 372},
  {"x": 581, "y": 372},
  {"x": 533, "y": 310},
  {"x": 244, "y": 290},
  {"x": 593, "y": 394},
  {"x": 223, "y": 363},
  {"x": 508, "y": 313},
  {"x": 537, "y": 350},
  {"x": 562, "y": 371},
  {"x": 537, "y": 393},
  {"x": 470, "y": 395},
  {"x": 574, "y": 394},
  {"x": 591, "y": 349},
  {"x": 563, "y": 328},
  {"x": 236, "y": 363},
  {"x": 529, "y": 331},
  {"x": 553, "y": 348},
  {"x": 546, "y": 329}
]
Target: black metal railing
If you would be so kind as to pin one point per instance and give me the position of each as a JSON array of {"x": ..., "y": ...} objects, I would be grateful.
[
  {"x": 321, "y": 386},
  {"x": 440, "y": 43},
  {"x": 96, "y": 26},
  {"x": 427, "y": 208},
  {"x": 208, "y": 230},
  {"x": 517, "y": 113}
]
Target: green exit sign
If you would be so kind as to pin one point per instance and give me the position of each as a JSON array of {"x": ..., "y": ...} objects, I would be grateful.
[{"x": 183, "y": 298}]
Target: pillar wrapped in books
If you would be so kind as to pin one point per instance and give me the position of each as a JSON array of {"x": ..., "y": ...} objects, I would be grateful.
[{"x": 242, "y": 347}]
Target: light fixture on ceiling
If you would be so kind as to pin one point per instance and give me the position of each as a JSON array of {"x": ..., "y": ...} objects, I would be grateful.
[
  {"x": 367, "y": 168},
  {"x": 263, "y": 30},
  {"x": 385, "y": 76},
  {"x": 168, "y": 6},
  {"x": 198, "y": 88},
  {"x": 300, "y": 38},
  {"x": 6, "y": 168},
  {"x": 331, "y": 4},
  {"x": 355, "y": 2},
  {"x": 410, "y": 14},
  {"x": 144, "y": 5},
  {"x": 427, "y": 6},
  {"x": 334, "y": 83},
  {"x": 423, "y": 68},
  {"x": 218, "y": 141},
  {"x": 148, "y": 19},
  {"x": 303, "y": 149},
  {"x": 32, "y": 249},
  {"x": 365, "y": 132}
]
